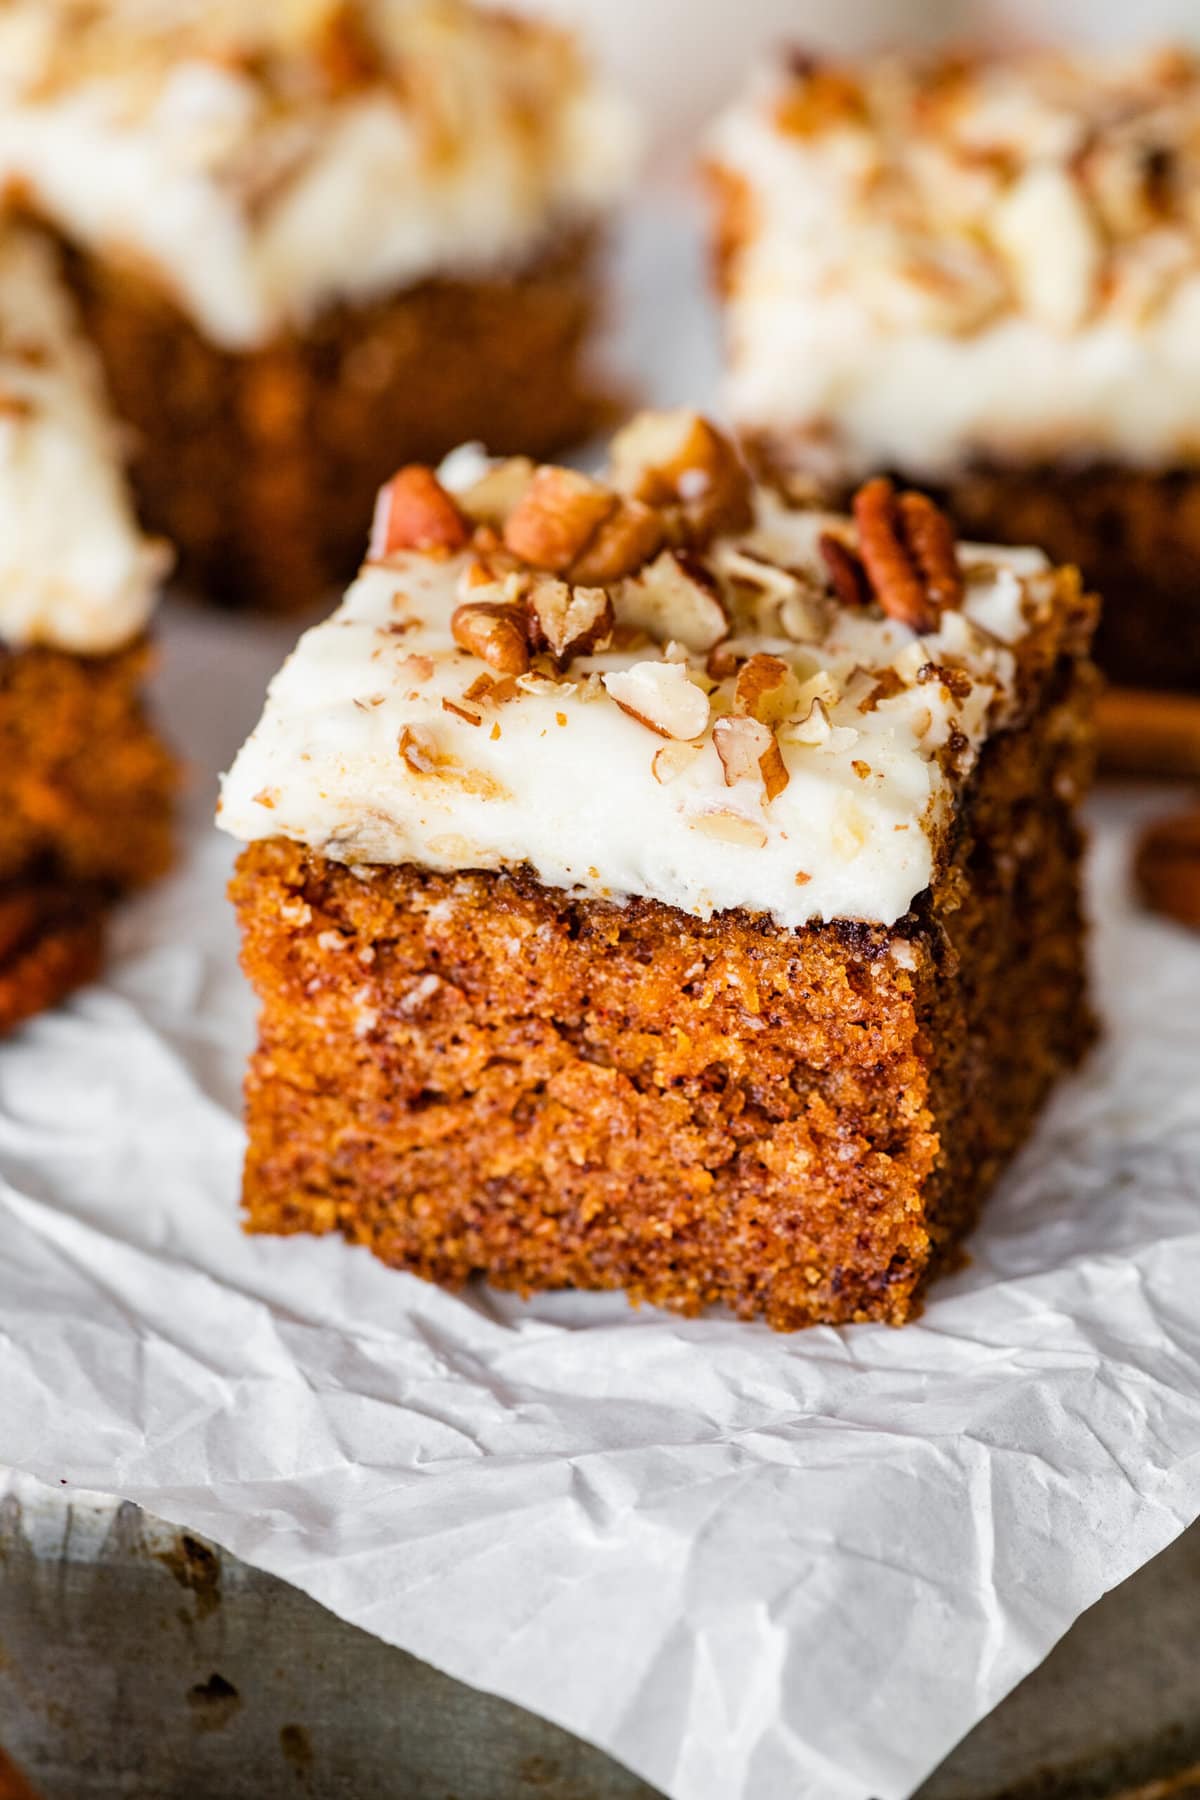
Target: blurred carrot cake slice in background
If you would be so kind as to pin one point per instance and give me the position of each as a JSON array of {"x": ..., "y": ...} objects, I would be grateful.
[
  {"x": 982, "y": 273},
  {"x": 311, "y": 240},
  {"x": 85, "y": 784},
  {"x": 651, "y": 885}
]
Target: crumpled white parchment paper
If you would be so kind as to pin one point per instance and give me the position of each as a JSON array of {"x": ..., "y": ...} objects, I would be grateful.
[{"x": 746, "y": 1565}]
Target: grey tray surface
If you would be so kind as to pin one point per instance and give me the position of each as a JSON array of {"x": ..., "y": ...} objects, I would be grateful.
[{"x": 140, "y": 1663}]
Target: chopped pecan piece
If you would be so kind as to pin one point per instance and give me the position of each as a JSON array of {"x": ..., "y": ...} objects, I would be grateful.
[
  {"x": 722, "y": 661},
  {"x": 908, "y": 552},
  {"x": 1168, "y": 867},
  {"x": 846, "y": 572},
  {"x": 496, "y": 634},
  {"x": 624, "y": 543},
  {"x": 766, "y": 689},
  {"x": 491, "y": 499},
  {"x": 461, "y": 712},
  {"x": 730, "y": 828},
  {"x": 748, "y": 749},
  {"x": 930, "y": 539},
  {"x": 570, "y": 621},
  {"x": 819, "y": 100},
  {"x": 661, "y": 696},
  {"x": 419, "y": 748},
  {"x": 414, "y": 512},
  {"x": 677, "y": 460},
  {"x": 670, "y": 761},
  {"x": 348, "y": 55},
  {"x": 556, "y": 518},
  {"x": 674, "y": 597}
]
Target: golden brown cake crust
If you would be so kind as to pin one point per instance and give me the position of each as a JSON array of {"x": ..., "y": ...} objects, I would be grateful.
[
  {"x": 86, "y": 789},
  {"x": 474, "y": 1073},
  {"x": 261, "y": 466}
]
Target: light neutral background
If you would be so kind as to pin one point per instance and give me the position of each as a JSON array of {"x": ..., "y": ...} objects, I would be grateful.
[{"x": 678, "y": 59}]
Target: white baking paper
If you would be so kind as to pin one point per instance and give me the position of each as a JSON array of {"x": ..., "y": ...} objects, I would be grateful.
[{"x": 784, "y": 1568}]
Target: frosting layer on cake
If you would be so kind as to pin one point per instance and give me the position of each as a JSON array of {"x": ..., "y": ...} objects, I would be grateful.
[
  {"x": 931, "y": 262},
  {"x": 259, "y": 163},
  {"x": 75, "y": 571},
  {"x": 737, "y": 722}
]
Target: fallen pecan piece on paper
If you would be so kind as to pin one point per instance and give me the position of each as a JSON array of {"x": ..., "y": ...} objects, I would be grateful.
[{"x": 1167, "y": 867}]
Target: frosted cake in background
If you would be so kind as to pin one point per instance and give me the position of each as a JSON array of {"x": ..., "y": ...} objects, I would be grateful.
[
  {"x": 983, "y": 273},
  {"x": 85, "y": 786},
  {"x": 309, "y": 240}
]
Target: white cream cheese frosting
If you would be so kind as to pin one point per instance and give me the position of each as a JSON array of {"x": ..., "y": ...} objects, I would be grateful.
[
  {"x": 75, "y": 572},
  {"x": 260, "y": 164},
  {"x": 384, "y": 741},
  {"x": 936, "y": 263}
]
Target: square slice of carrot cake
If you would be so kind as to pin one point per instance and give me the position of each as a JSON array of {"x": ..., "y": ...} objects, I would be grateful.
[{"x": 651, "y": 885}]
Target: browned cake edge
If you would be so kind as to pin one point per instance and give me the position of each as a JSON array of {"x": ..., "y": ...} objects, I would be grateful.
[
  {"x": 86, "y": 793},
  {"x": 261, "y": 466},
  {"x": 474, "y": 1073}
]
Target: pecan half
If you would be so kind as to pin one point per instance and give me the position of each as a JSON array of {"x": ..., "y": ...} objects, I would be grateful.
[
  {"x": 414, "y": 512},
  {"x": 496, "y": 634},
  {"x": 1167, "y": 867},
  {"x": 908, "y": 552},
  {"x": 845, "y": 568},
  {"x": 930, "y": 539}
]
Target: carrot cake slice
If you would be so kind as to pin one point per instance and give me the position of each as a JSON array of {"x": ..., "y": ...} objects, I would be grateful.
[
  {"x": 85, "y": 785},
  {"x": 982, "y": 273},
  {"x": 651, "y": 885},
  {"x": 310, "y": 240}
]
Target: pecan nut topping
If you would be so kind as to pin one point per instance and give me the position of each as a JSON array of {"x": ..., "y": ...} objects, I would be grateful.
[
  {"x": 909, "y": 554},
  {"x": 845, "y": 568},
  {"x": 414, "y": 512},
  {"x": 497, "y": 634}
]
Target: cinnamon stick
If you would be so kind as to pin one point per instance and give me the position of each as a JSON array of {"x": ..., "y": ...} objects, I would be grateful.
[{"x": 1145, "y": 733}]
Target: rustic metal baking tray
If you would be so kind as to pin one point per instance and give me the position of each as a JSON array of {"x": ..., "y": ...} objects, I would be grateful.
[{"x": 140, "y": 1663}]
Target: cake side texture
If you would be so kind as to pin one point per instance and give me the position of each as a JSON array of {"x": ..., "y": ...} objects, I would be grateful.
[
  {"x": 474, "y": 1074},
  {"x": 259, "y": 465}
]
